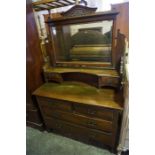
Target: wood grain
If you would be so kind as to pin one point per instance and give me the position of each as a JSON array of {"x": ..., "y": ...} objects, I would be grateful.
[
  {"x": 33, "y": 67},
  {"x": 79, "y": 93}
]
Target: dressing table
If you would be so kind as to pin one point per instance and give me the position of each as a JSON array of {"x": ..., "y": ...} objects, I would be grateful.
[{"x": 81, "y": 97}]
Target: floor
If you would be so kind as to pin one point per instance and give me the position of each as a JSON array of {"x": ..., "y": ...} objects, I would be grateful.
[{"x": 44, "y": 143}]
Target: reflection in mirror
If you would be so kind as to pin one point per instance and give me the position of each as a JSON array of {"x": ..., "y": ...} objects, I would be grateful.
[{"x": 84, "y": 42}]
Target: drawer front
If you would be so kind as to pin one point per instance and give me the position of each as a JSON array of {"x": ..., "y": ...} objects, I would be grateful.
[
  {"x": 109, "y": 81},
  {"x": 80, "y": 119},
  {"x": 53, "y": 77},
  {"x": 94, "y": 111},
  {"x": 55, "y": 104},
  {"x": 79, "y": 131}
]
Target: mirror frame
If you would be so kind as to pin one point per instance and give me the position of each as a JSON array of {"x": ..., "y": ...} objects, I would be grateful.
[{"x": 101, "y": 16}]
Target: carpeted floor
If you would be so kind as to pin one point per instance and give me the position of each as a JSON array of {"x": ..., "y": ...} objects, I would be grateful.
[{"x": 44, "y": 143}]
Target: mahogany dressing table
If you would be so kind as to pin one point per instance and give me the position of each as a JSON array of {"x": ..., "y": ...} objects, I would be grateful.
[{"x": 81, "y": 97}]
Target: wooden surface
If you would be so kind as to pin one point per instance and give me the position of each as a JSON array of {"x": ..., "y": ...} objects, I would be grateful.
[
  {"x": 122, "y": 21},
  {"x": 83, "y": 64},
  {"x": 95, "y": 77},
  {"x": 80, "y": 111},
  {"x": 33, "y": 67},
  {"x": 98, "y": 72},
  {"x": 80, "y": 93},
  {"x": 98, "y": 15},
  {"x": 79, "y": 119},
  {"x": 79, "y": 132},
  {"x": 34, "y": 60},
  {"x": 82, "y": 10}
]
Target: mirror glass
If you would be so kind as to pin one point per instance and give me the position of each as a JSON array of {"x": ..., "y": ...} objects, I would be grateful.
[{"x": 89, "y": 42}]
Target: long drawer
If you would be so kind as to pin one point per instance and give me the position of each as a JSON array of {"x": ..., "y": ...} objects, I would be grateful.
[
  {"x": 94, "y": 111},
  {"x": 56, "y": 104},
  {"x": 76, "y": 130},
  {"x": 87, "y": 110},
  {"x": 79, "y": 119}
]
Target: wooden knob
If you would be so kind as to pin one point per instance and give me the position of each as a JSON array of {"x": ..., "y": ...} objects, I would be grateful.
[
  {"x": 90, "y": 123},
  {"x": 91, "y": 111}
]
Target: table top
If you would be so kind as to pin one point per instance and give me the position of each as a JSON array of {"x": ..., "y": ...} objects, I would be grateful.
[{"x": 79, "y": 93}]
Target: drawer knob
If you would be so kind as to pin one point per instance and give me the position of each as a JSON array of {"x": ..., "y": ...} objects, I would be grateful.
[
  {"x": 92, "y": 112},
  {"x": 90, "y": 123}
]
